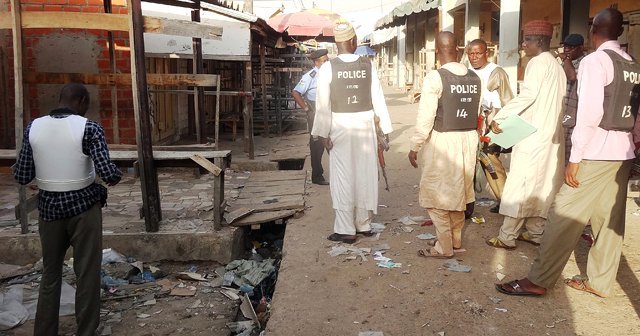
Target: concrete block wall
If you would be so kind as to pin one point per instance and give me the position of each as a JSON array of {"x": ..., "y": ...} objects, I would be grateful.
[{"x": 73, "y": 51}]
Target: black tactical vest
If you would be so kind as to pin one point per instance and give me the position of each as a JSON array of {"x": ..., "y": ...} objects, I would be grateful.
[
  {"x": 622, "y": 95},
  {"x": 460, "y": 101},
  {"x": 351, "y": 85}
]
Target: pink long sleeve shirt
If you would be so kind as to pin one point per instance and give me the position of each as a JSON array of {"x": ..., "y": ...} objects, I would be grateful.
[{"x": 589, "y": 141}]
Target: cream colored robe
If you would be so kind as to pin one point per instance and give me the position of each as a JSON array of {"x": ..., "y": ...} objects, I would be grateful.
[
  {"x": 449, "y": 158},
  {"x": 537, "y": 162},
  {"x": 353, "y": 160}
]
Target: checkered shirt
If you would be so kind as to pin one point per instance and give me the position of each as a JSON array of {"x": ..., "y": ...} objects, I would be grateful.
[{"x": 59, "y": 205}]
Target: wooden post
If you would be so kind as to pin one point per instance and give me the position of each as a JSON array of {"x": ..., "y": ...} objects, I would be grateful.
[
  {"x": 19, "y": 104},
  {"x": 198, "y": 91},
  {"x": 218, "y": 192},
  {"x": 148, "y": 174},
  {"x": 114, "y": 89},
  {"x": 248, "y": 110},
  {"x": 263, "y": 88},
  {"x": 217, "y": 121},
  {"x": 4, "y": 101}
]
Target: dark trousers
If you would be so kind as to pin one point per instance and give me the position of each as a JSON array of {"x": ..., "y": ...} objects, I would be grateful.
[
  {"x": 316, "y": 147},
  {"x": 84, "y": 233}
]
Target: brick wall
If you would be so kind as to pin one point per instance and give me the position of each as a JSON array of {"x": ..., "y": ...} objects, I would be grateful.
[{"x": 72, "y": 50}]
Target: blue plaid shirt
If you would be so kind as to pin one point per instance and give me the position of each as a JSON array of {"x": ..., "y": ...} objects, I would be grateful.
[{"x": 58, "y": 205}]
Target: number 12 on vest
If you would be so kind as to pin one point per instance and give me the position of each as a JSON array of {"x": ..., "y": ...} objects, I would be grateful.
[{"x": 352, "y": 100}]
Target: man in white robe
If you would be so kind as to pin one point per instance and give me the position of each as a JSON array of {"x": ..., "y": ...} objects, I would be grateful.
[
  {"x": 537, "y": 161},
  {"x": 446, "y": 128},
  {"x": 349, "y": 95}
]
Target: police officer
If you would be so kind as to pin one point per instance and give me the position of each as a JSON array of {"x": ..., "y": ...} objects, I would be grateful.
[
  {"x": 305, "y": 95},
  {"x": 446, "y": 137}
]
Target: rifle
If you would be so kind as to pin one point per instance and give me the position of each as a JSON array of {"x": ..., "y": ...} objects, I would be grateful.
[{"x": 383, "y": 145}]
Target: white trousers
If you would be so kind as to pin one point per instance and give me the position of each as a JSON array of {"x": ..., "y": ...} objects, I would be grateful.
[{"x": 349, "y": 221}]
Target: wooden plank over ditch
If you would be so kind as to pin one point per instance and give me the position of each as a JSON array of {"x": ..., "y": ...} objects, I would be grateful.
[{"x": 272, "y": 195}]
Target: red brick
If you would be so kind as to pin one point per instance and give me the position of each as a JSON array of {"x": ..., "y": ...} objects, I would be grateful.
[
  {"x": 31, "y": 8},
  {"x": 72, "y": 8},
  {"x": 78, "y": 2},
  {"x": 106, "y": 123},
  {"x": 57, "y": 2},
  {"x": 93, "y": 9},
  {"x": 54, "y": 8},
  {"x": 127, "y": 133}
]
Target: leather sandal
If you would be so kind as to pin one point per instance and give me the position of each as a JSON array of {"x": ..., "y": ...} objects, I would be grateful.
[
  {"x": 526, "y": 237},
  {"x": 582, "y": 285},
  {"x": 347, "y": 239},
  {"x": 497, "y": 243}
]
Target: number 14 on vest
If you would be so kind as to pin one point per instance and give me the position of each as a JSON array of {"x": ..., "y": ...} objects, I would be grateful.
[{"x": 461, "y": 113}]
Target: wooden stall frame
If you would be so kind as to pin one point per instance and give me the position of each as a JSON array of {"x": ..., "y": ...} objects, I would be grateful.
[{"x": 136, "y": 24}]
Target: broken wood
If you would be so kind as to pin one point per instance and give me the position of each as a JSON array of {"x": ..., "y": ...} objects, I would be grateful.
[
  {"x": 113, "y": 22},
  {"x": 206, "y": 164},
  {"x": 236, "y": 214},
  {"x": 264, "y": 217},
  {"x": 119, "y": 79}
]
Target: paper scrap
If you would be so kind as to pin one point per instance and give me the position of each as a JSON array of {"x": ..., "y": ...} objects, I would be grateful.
[
  {"x": 389, "y": 264},
  {"x": 478, "y": 220},
  {"x": 426, "y": 236},
  {"x": 454, "y": 266}
]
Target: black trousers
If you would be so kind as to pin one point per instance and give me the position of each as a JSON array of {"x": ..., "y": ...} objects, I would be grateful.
[
  {"x": 84, "y": 233},
  {"x": 316, "y": 147}
]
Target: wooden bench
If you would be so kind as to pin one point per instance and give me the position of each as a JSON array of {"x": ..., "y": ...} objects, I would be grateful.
[{"x": 162, "y": 158}]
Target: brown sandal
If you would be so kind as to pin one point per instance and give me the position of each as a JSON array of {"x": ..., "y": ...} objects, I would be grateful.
[
  {"x": 582, "y": 285},
  {"x": 430, "y": 253},
  {"x": 514, "y": 288}
]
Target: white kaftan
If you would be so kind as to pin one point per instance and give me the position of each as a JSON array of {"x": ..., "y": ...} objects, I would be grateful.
[
  {"x": 449, "y": 158},
  {"x": 353, "y": 159},
  {"x": 536, "y": 170}
]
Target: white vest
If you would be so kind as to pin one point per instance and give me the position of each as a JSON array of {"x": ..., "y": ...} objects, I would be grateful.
[
  {"x": 489, "y": 98},
  {"x": 57, "y": 152}
]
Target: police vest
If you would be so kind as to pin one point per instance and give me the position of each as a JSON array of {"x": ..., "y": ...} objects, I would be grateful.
[
  {"x": 458, "y": 106},
  {"x": 622, "y": 95},
  {"x": 351, "y": 86},
  {"x": 57, "y": 152}
]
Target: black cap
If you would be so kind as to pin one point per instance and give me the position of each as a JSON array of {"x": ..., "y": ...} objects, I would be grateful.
[
  {"x": 573, "y": 40},
  {"x": 318, "y": 53}
]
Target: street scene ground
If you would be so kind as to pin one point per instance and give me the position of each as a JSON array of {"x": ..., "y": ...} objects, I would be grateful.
[{"x": 324, "y": 288}]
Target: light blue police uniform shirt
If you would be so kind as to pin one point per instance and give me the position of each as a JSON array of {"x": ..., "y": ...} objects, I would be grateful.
[{"x": 308, "y": 83}]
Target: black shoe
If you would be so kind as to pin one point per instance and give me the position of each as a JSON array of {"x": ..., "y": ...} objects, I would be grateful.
[
  {"x": 320, "y": 182},
  {"x": 495, "y": 209}
]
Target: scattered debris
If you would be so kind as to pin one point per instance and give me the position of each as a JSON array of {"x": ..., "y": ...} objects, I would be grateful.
[
  {"x": 183, "y": 291},
  {"x": 371, "y": 333},
  {"x": 478, "y": 219},
  {"x": 230, "y": 293},
  {"x": 250, "y": 271},
  {"x": 389, "y": 264},
  {"x": 485, "y": 202},
  {"x": 428, "y": 222},
  {"x": 377, "y": 227},
  {"x": 247, "y": 310},
  {"x": 110, "y": 256},
  {"x": 190, "y": 276},
  {"x": 426, "y": 236},
  {"x": 8, "y": 271},
  {"x": 407, "y": 229},
  {"x": 500, "y": 276},
  {"x": 454, "y": 266},
  {"x": 381, "y": 247},
  {"x": 412, "y": 220},
  {"x": 495, "y": 299},
  {"x": 501, "y": 310}
]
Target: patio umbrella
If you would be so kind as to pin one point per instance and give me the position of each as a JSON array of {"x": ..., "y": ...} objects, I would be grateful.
[
  {"x": 311, "y": 22},
  {"x": 364, "y": 50}
]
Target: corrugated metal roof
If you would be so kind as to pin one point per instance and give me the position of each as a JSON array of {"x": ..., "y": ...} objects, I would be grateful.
[{"x": 405, "y": 9}]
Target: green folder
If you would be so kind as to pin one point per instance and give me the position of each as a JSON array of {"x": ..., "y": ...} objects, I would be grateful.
[{"x": 514, "y": 130}]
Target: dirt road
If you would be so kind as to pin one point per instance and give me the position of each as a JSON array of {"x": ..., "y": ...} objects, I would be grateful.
[{"x": 322, "y": 295}]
